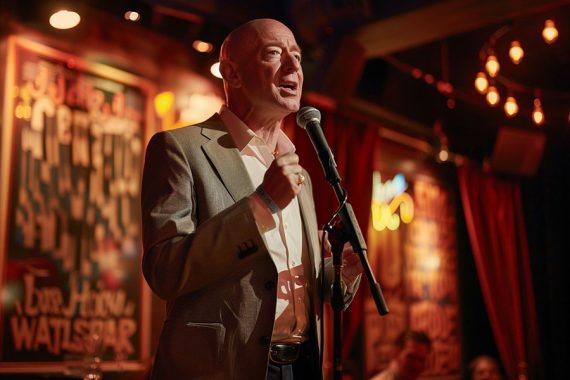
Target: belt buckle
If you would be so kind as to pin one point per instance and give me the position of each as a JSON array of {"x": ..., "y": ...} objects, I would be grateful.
[{"x": 284, "y": 353}]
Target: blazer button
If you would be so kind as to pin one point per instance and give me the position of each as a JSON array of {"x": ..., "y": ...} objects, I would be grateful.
[
  {"x": 269, "y": 285},
  {"x": 264, "y": 340}
]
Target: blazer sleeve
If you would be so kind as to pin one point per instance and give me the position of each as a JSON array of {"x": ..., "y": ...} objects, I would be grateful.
[{"x": 179, "y": 255}]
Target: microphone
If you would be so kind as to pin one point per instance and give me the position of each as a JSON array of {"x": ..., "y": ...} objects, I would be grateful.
[{"x": 309, "y": 119}]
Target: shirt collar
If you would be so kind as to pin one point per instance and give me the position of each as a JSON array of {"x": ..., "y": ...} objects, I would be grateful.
[{"x": 243, "y": 135}]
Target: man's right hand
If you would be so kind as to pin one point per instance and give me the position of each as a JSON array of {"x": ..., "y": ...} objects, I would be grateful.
[{"x": 281, "y": 181}]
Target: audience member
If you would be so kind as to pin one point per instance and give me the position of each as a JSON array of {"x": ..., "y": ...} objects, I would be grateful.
[{"x": 410, "y": 360}]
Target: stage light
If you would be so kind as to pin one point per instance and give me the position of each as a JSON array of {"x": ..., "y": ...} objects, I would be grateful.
[
  {"x": 492, "y": 65},
  {"x": 481, "y": 82},
  {"x": 549, "y": 33},
  {"x": 511, "y": 106},
  {"x": 202, "y": 46},
  {"x": 516, "y": 52},
  {"x": 537, "y": 114},
  {"x": 133, "y": 16},
  {"x": 64, "y": 19},
  {"x": 493, "y": 96},
  {"x": 215, "y": 70}
]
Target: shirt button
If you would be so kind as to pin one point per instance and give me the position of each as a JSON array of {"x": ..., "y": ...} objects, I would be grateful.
[{"x": 269, "y": 285}]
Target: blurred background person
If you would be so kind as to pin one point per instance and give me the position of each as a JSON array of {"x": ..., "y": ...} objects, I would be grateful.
[
  {"x": 410, "y": 360},
  {"x": 484, "y": 367}
]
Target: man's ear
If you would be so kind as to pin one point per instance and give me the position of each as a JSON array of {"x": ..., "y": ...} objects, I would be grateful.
[{"x": 230, "y": 74}]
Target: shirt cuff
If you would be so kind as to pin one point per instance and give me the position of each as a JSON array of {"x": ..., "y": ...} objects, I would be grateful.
[{"x": 261, "y": 213}]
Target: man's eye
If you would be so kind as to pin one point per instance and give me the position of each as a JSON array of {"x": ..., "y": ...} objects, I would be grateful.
[{"x": 274, "y": 52}]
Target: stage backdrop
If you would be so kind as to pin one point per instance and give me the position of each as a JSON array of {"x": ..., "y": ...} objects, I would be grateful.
[
  {"x": 72, "y": 149},
  {"x": 412, "y": 251}
]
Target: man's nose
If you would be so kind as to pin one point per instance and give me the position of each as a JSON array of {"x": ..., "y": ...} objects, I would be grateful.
[{"x": 291, "y": 63}]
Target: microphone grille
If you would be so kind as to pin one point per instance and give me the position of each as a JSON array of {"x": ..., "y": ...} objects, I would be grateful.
[{"x": 307, "y": 114}]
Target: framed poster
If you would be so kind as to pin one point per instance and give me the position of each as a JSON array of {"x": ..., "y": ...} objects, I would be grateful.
[{"x": 73, "y": 138}]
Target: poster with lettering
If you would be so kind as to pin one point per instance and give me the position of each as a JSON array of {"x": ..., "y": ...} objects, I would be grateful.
[
  {"x": 412, "y": 249},
  {"x": 73, "y": 297}
]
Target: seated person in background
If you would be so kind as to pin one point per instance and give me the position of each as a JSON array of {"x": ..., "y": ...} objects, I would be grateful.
[
  {"x": 413, "y": 348},
  {"x": 484, "y": 367}
]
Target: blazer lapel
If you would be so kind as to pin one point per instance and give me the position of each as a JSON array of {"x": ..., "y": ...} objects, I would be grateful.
[{"x": 223, "y": 154}]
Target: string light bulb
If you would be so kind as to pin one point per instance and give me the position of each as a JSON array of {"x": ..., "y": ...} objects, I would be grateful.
[
  {"x": 516, "y": 52},
  {"x": 493, "y": 96},
  {"x": 537, "y": 114},
  {"x": 511, "y": 106},
  {"x": 492, "y": 65},
  {"x": 549, "y": 33},
  {"x": 481, "y": 82}
]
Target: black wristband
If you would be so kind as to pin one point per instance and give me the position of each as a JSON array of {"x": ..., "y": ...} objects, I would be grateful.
[{"x": 267, "y": 199}]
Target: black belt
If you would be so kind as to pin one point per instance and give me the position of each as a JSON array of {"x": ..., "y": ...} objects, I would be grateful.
[{"x": 284, "y": 353}]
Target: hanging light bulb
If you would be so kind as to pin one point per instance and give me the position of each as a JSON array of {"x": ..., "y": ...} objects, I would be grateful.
[
  {"x": 492, "y": 65},
  {"x": 493, "y": 96},
  {"x": 481, "y": 82},
  {"x": 511, "y": 106},
  {"x": 537, "y": 114},
  {"x": 516, "y": 52},
  {"x": 549, "y": 33}
]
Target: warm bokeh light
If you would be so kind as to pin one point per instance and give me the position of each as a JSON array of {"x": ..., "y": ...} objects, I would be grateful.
[
  {"x": 481, "y": 82},
  {"x": 511, "y": 106},
  {"x": 537, "y": 114},
  {"x": 202, "y": 46},
  {"x": 492, "y": 65},
  {"x": 163, "y": 102},
  {"x": 516, "y": 52},
  {"x": 64, "y": 19},
  {"x": 549, "y": 33},
  {"x": 215, "y": 70},
  {"x": 493, "y": 96},
  {"x": 132, "y": 16},
  {"x": 443, "y": 155}
]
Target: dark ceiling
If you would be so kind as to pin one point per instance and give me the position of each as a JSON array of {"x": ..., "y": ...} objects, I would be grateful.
[{"x": 390, "y": 42}]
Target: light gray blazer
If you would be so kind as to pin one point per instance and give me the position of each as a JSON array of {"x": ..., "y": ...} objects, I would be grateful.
[{"x": 204, "y": 255}]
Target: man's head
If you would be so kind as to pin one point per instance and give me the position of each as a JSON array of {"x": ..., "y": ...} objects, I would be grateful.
[
  {"x": 260, "y": 62},
  {"x": 484, "y": 368},
  {"x": 413, "y": 350}
]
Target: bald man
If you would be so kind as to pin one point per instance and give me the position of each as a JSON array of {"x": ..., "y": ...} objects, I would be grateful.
[{"x": 229, "y": 227}]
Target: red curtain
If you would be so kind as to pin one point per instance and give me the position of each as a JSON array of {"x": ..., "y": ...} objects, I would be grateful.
[
  {"x": 493, "y": 213},
  {"x": 352, "y": 143}
]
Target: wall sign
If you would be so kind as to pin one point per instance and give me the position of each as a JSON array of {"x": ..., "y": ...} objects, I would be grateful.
[{"x": 72, "y": 150}]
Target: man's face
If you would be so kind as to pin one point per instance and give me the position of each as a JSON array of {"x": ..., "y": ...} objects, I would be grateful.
[
  {"x": 485, "y": 370},
  {"x": 412, "y": 359},
  {"x": 270, "y": 69}
]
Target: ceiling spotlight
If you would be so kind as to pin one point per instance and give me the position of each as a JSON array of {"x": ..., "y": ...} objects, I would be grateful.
[
  {"x": 133, "y": 16},
  {"x": 511, "y": 106},
  {"x": 537, "y": 114},
  {"x": 215, "y": 70},
  {"x": 549, "y": 33},
  {"x": 481, "y": 82},
  {"x": 492, "y": 65},
  {"x": 516, "y": 52},
  {"x": 64, "y": 19},
  {"x": 493, "y": 96},
  {"x": 202, "y": 46}
]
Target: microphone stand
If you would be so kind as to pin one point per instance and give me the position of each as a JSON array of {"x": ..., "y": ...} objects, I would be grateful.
[{"x": 350, "y": 231}]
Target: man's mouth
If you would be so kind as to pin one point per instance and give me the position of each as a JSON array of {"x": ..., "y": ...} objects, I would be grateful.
[{"x": 291, "y": 86}]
